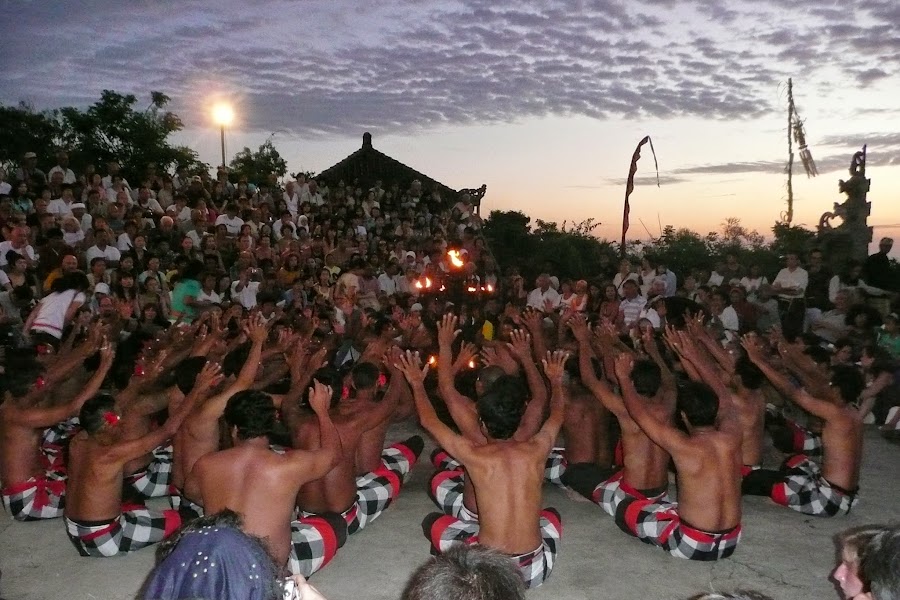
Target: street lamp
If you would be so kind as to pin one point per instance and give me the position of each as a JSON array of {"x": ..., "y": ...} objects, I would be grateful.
[{"x": 223, "y": 115}]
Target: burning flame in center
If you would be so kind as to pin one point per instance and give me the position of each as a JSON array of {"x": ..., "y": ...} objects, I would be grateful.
[{"x": 455, "y": 259}]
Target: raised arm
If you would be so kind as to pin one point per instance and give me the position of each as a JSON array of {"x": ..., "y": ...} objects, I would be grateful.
[
  {"x": 689, "y": 352},
  {"x": 47, "y": 417},
  {"x": 554, "y": 368},
  {"x": 534, "y": 321},
  {"x": 317, "y": 463},
  {"x": 461, "y": 408},
  {"x": 599, "y": 388},
  {"x": 457, "y": 445},
  {"x": 652, "y": 348},
  {"x": 665, "y": 435},
  {"x": 819, "y": 408},
  {"x": 209, "y": 377},
  {"x": 520, "y": 347}
]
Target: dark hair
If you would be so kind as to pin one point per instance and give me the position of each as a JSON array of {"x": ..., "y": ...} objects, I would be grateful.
[
  {"x": 364, "y": 375},
  {"x": 466, "y": 572},
  {"x": 252, "y": 413},
  {"x": 91, "y": 415},
  {"x": 76, "y": 280},
  {"x": 881, "y": 565},
  {"x": 699, "y": 403},
  {"x": 646, "y": 377},
  {"x": 235, "y": 360},
  {"x": 751, "y": 376},
  {"x": 186, "y": 373},
  {"x": 21, "y": 370},
  {"x": 849, "y": 382},
  {"x": 820, "y": 355},
  {"x": 502, "y": 406},
  {"x": 193, "y": 270}
]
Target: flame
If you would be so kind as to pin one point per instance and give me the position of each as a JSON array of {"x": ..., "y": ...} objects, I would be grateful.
[
  {"x": 419, "y": 285},
  {"x": 472, "y": 289},
  {"x": 432, "y": 360},
  {"x": 490, "y": 289},
  {"x": 456, "y": 259},
  {"x": 428, "y": 283},
  {"x": 472, "y": 364}
]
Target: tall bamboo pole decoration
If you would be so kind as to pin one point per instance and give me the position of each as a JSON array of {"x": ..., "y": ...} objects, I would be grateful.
[{"x": 789, "y": 215}]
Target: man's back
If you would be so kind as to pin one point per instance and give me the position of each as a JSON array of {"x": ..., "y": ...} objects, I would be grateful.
[
  {"x": 252, "y": 480},
  {"x": 842, "y": 441}
]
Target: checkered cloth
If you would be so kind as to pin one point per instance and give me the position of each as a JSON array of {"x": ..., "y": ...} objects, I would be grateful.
[
  {"x": 55, "y": 438},
  {"x": 446, "y": 490},
  {"x": 805, "y": 441},
  {"x": 36, "y": 499},
  {"x": 445, "y": 530},
  {"x": 610, "y": 495},
  {"x": 376, "y": 490},
  {"x": 555, "y": 466},
  {"x": 154, "y": 481},
  {"x": 315, "y": 540},
  {"x": 132, "y": 530},
  {"x": 443, "y": 461},
  {"x": 658, "y": 523},
  {"x": 805, "y": 490},
  {"x": 187, "y": 508}
]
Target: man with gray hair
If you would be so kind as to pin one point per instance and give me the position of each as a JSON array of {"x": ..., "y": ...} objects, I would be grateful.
[
  {"x": 543, "y": 294},
  {"x": 881, "y": 565}
]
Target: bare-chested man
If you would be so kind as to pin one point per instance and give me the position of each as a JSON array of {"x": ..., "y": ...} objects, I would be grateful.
[
  {"x": 358, "y": 499},
  {"x": 34, "y": 482},
  {"x": 261, "y": 485},
  {"x": 507, "y": 475},
  {"x": 200, "y": 433},
  {"x": 451, "y": 490},
  {"x": 801, "y": 484},
  {"x": 97, "y": 522},
  {"x": 645, "y": 470},
  {"x": 705, "y": 523}
]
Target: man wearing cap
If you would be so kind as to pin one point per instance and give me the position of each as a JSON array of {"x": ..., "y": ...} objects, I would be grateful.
[
  {"x": 62, "y": 166},
  {"x": 30, "y": 174}
]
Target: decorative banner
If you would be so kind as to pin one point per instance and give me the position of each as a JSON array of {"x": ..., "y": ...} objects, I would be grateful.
[{"x": 629, "y": 186}]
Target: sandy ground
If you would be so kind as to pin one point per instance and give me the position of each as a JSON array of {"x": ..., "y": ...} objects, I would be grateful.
[{"x": 783, "y": 553}]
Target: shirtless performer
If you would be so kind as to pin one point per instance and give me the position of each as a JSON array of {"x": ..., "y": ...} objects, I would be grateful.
[
  {"x": 358, "y": 499},
  {"x": 200, "y": 433},
  {"x": 261, "y": 485},
  {"x": 450, "y": 489},
  {"x": 644, "y": 474},
  {"x": 705, "y": 523},
  {"x": 801, "y": 484},
  {"x": 97, "y": 522},
  {"x": 715, "y": 367},
  {"x": 34, "y": 482},
  {"x": 507, "y": 475}
]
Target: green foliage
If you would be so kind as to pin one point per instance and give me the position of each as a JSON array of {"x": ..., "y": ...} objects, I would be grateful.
[
  {"x": 256, "y": 166},
  {"x": 110, "y": 129},
  {"x": 24, "y": 130}
]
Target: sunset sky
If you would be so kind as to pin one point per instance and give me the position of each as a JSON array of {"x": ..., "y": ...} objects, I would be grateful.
[{"x": 542, "y": 101}]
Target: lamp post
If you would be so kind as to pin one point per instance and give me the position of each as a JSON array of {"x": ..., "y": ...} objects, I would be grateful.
[{"x": 223, "y": 115}]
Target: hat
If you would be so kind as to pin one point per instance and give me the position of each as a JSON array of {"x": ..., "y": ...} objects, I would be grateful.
[
  {"x": 196, "y": 178},
  {"x": 101, "y": 288},
  {"x": 893, "y": 316},
  {"x": 30, "y": 155},
  {"x": 415, "y": 307},
  {"x": 410, "y": 254},
  {"x": 75, "y": 205}
]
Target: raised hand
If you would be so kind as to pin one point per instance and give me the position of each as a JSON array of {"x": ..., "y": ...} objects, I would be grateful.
[
  {"x": 555, "y": 365},
  {"x": 534, "y": 320},
  {"x": 409, "y": 364},
  {"x": 623, "y": 366},
  {"x": 107, "y": 355},
  {"x": 320, "y": 397},
  {"x": 391, "y": 359},
  {"x": 752, "y": 346},
  {"x": 494, "y": 357},
  {"x": 467, "y": 353},
  {"x": 257, "y": 329},
  {"x": 520, "y": 345},
  {"x": 209, "y": 377},
  {"x": 447, "y": 330},
  {"x": 579, "y": 327}
]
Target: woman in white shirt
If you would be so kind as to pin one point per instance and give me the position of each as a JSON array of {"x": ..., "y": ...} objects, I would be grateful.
[{"x": 49, "y": 318}]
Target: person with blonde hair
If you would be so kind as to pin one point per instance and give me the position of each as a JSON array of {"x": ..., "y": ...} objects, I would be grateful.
[{"x": 852, "y": 545}]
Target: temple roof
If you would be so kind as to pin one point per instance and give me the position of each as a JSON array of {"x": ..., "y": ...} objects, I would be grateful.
[{"x": 368, "y": 164}]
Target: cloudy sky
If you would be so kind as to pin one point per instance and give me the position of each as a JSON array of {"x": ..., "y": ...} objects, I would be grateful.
[{"x": 544, "y": 101}]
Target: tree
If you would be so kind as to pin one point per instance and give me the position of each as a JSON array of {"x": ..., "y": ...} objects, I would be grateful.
[
  {"x": 112, "y": 129},
  {"x": 24, "y": 130},
  {"x": 257, "y": 166}
]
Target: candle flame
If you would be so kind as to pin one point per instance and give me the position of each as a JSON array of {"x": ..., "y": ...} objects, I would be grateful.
[{"x": 455, "y": 259}]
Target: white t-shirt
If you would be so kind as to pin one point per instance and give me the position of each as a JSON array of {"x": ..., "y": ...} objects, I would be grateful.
[
  {"x": 7, "y": 246},
  {"x": 68, "y": 174},
  {"x": 51, "y": 317},
  {"x": 798, "y": 278},
  {"x": 110, "y": 253},
  {"x": 247, "y": 296},
  {"x": 233, "y": 225},
  {"x": 536, "y": 298},
  {"x": 212, "y": 297},
  {"x": 60, "y": 207}
]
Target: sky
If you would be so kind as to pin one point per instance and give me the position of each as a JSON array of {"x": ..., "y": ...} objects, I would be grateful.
[{"x": 543, "y": 101}]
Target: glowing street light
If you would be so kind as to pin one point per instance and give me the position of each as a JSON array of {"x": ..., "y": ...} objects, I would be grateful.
[{"x": 223, "y": 115}]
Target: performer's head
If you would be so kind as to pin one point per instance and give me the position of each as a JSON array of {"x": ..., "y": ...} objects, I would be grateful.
[
  {"x": 250, "y": 414},
  {"x": 698, "y": 404},
  {"x": 472, "y": 572},
  {"x": 501, "y": 408}
]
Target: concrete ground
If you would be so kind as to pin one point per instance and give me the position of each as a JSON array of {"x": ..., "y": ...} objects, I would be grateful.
[{"x": 783, "y": 553}]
